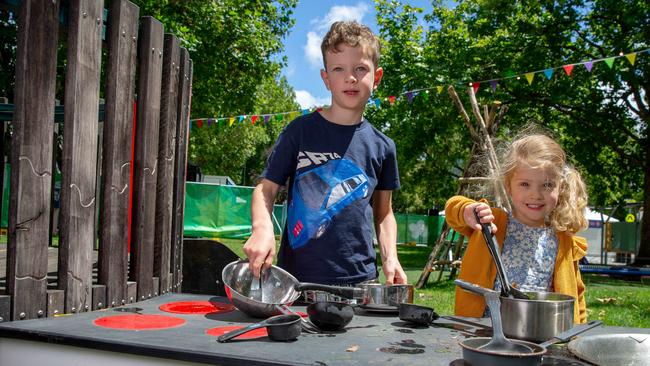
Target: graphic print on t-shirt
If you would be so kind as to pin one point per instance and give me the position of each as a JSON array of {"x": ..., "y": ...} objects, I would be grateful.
[{"x": 319, "y": 195}]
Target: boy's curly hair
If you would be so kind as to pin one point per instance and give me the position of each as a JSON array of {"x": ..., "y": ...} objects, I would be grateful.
[
  {"x": 541, "y": 151},
  {"x": 353, "y": 34}
]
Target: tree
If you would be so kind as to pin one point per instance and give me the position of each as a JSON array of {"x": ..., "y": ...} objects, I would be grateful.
[
  {"x": 234, "y": 46},
  {"x": 240, "y": 149},
  {"x": 600, "y": 116}
]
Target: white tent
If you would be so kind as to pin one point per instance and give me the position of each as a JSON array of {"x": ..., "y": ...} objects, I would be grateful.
[{"x": 598, "y": 216}]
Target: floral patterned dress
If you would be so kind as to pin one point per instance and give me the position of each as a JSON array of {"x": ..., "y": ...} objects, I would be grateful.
[{"x": 528, "y": 255}]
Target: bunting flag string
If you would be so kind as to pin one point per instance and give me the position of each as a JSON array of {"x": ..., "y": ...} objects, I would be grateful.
[{"x": 424, "y": 92}]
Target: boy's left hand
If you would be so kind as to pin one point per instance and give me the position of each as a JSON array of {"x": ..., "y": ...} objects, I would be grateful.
[{"x": 393, "y": 271}]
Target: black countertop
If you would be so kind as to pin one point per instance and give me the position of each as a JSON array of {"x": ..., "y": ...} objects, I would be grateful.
[{"x": 371, "y": 338}]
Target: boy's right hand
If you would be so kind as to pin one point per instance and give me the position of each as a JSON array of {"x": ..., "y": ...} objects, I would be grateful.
[
  {"x": 260, "y": 250},
  {"x": 484, "y": 212}
]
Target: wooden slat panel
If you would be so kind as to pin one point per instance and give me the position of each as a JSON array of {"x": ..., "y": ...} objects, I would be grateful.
[
  {"x": 99, "y": 297},
  {"x": 5, "y": 308},
  {"x": 156, "y": 285},
  {"x": 131, "y": 292},
  {"x": 79, "y": 158},
  {"x": 116, "y": 164},
  {"x": 166, "y": 151},
  {"x": 31, "y": 156},
  {"x": 178, "y": 201},
  {"x": 146, "y": 155},
  {"x": 55, "y": 302}
]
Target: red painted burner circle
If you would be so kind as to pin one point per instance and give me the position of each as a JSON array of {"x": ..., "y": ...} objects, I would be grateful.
[
  {"x": 139, "y": 322},
  {"x": 197, "y": 307},
  {"x": 255, "y": 333}
]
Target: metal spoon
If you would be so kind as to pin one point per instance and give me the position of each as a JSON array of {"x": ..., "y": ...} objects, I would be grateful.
[
  {"x": 499, "y": 342},
  {"x": 506, "y": 289},
  {"x": 257, "y": 292}
]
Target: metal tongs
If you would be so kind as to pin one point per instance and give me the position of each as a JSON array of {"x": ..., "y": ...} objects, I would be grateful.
[{"x": 507, "y": 290}]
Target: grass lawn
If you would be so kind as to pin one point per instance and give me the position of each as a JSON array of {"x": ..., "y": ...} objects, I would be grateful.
[{"x": 616, "y": 302}]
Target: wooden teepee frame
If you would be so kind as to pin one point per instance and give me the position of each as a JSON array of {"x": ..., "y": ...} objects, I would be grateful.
[{"x": 482, "y": 149}]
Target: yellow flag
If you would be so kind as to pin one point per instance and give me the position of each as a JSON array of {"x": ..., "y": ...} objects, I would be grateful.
[
  {"x": 631, "y": 57},
  {"x": 231, "y": 121},
  {"x": 529, "y": 77},
  {"x": 439, "y": 89}
]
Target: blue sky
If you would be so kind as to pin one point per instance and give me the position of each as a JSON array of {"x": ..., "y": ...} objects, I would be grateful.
[{"x": 302, "y": 45}]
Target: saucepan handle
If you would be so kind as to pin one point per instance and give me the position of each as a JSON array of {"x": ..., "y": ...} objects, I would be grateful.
[
  {"x": 237, "y": 332},
  {"x": 474, "y": 288},
  {"x": 346, "y": 292}
]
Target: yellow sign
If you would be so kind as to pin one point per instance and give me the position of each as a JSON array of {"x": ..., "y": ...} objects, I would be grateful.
[{"x": 629, "y": 218}]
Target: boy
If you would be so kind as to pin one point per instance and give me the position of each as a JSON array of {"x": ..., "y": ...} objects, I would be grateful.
[{"x": 341, "y": 173}]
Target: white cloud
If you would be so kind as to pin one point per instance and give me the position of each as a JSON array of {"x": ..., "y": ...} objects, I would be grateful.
[
  {"x": 312, "y": 50},
  {"x": 322, "y": 25},
  {"x": 306, "y": 100}
]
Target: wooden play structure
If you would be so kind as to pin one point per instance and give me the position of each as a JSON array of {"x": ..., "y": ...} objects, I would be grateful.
[
  {"x": 480, "y": 165},
  {"x": 123, "y": 173}
]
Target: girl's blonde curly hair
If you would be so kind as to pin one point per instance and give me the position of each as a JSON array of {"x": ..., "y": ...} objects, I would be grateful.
[{"x": 542, "y": 152}]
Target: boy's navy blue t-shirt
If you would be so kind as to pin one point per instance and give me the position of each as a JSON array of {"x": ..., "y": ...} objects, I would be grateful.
[{"x": 332, "y": 171}]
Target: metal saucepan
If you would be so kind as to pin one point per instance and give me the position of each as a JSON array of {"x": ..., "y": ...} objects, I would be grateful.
[
  {"x": 417, "y": 314},
  {"x": 530, "y": 316},
  {"x": 279, "y": 328},
  {"x": 613, "y": 349},
  {"x": 477, "y": 351},
  {"x": 378, "y": 297},
  {"x": 279, "y": 287},
  {"x": 330, "y": 316},
  {"x": 543, "y": 316},
  {"x": 473, "y": 355}
]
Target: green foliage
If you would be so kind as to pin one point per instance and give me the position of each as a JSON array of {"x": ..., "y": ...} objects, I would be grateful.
[
  {"x": 601, "y": 117},
  {"x": 8, "y": 43}
]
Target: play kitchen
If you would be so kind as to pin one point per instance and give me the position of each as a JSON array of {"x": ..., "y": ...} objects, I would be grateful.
[{"x": 523, "y": 325}]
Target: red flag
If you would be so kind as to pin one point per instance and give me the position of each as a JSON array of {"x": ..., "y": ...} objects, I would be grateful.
[
  {"x": 253, "y": 119},
  {"x": 568, "y": 69},
  {"x": 476, "y": 86},
  {"x": 391, "y": 99},
  {"x": 199, "y": 123}
]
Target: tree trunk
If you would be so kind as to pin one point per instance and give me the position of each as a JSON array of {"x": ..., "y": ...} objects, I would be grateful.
[{"x": 643, "y": 258}]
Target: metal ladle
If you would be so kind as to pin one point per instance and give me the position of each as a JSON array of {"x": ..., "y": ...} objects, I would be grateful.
[
  {"x": 499, "y": 342},
  {"x": 507, "y": 290}
]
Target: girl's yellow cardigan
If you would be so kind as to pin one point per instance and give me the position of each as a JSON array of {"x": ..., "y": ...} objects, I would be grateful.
[{"x": 478, "y": 267}]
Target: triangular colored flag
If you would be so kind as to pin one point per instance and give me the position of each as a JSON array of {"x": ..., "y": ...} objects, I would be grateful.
[
  {"x": 377, "y": 102},
  {"x": 319, "y": 109},
  {"x": 610, "y": 61},
  {"x": 199, "y": 123},
  {"x": 493, "y": 84},
  {"x": 530, "y": 76},
  {"x": 231, "y": 120},
  {"x": 409, "y": 97},
  {"x": 548, "y": 73},
  {"x": 240, "y": 119},
  {"x": 278, "y": 117},
  {"x": 440, "y": 89},
  {"x": 305, "y": 111},
  {"x": 266, "y": 118},
  {"x": 391, "y": 99},
  {"x": 253, "y": 119},
  {"x": 476, "y": 86},
  {"x": 568, "y": 69},
  {"x": 631, "y": 57},
  {"x": 425, "y": 95},
  {"x": 589, "y": 65},
  {"x": 210, "y": 122}
]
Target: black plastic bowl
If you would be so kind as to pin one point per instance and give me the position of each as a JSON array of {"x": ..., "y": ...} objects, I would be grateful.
[{"x": 330, "y": 316}]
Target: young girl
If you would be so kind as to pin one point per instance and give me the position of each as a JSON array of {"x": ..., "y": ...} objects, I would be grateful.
[{"x": 538, "y": 247}]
